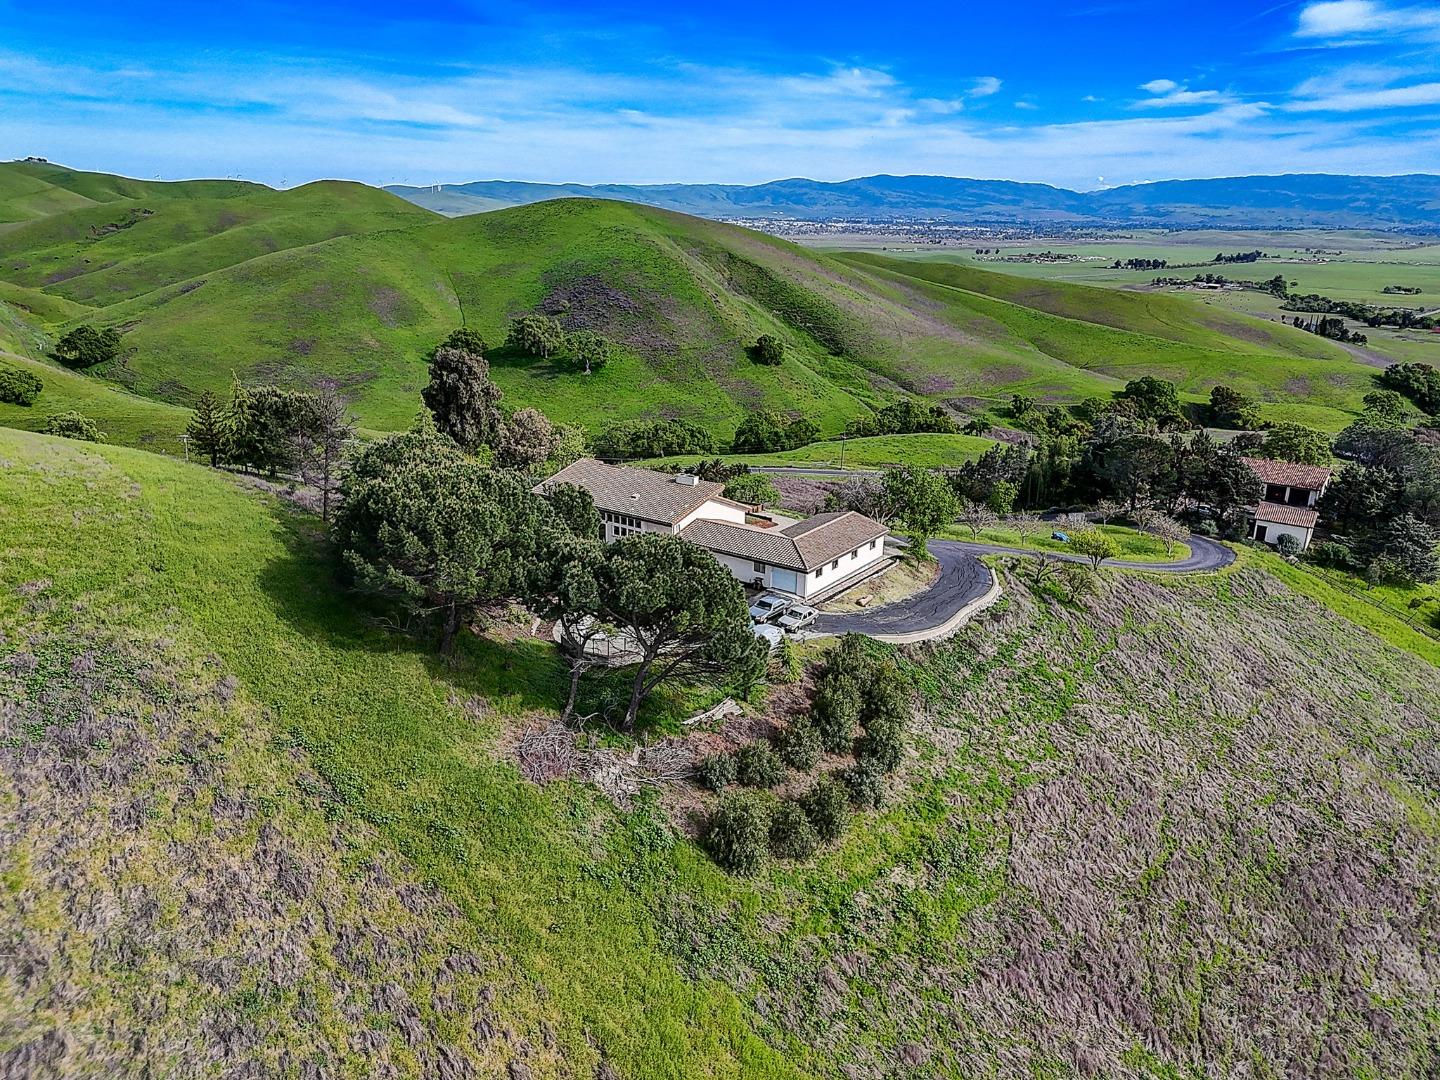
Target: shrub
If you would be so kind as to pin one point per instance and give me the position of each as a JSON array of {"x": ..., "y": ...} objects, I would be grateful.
[
  {"x": 1330, "y": 553},
  {"x": 792, "y": 836},
  {"x": 884, "y": 716},
  {"x": 827, "y": 804},
  {"x": 799, "y": 745},
  {"x": 769, "y": 350},
  {"x": 1287, "y": 545},
  {"x": 787, "y": 662},
  {"x": 716, "y": 772},
  {"x": 19, "y": 387},
  {"x": 72, "y": 425},
  {"x": 737, "y": 834},
  {"x": 865, "y": 782},
  {"x": 883, "y": 741},
  {"x": 757, "y": 766},
  {"x": 1384, "y": 570},
  {"x": 835, "y": 713}
]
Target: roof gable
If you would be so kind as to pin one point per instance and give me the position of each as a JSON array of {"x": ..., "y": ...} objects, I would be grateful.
[
  {"x": 1289, "y": 474},
  {"x": 802, "y": 546},
  {"x": 642, "y": 493},
  {"x": 1281, "y": 514}
]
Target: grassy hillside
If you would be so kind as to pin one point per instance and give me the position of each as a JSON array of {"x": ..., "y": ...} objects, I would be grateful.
[
  {"x": 1137, "y": 830},
  {"x": 927, "y": 450},
  {"x": 348, "y": 284},
  {"x": 124, "y": 417}
]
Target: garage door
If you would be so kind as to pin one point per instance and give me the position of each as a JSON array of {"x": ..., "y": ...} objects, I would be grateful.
[{"x": 784, "y": 580}]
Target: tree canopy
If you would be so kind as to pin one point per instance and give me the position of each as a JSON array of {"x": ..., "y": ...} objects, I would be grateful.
[
  {"x": 461, "y": 397},
  {"x": 920, "y": 502},
  {"x": 684, "y": 612},
  {"x": 85, "y": 346},
  {"x": 425, "y": 524}
]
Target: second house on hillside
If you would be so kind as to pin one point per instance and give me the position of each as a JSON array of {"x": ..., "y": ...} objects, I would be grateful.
[
  {"x": 816, "y": 557},
  {"x": 1289, "y": 505}
]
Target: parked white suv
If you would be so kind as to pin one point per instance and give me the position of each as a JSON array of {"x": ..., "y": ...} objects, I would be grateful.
[
  {"x": 796, "y": 618},
  {"x": 768, "y": 605}
]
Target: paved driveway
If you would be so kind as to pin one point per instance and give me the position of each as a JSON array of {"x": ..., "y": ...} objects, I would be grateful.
[
  {"x": 964, "y": 579},
  {"x": 1204, "y": 555}
]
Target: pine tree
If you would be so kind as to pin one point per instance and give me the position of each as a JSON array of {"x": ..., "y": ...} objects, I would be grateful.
[{"x": 207, "y": 428}]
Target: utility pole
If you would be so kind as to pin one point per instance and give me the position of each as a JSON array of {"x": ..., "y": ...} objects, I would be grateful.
[
  {"x": 842, "y": 451},
  {"x": 185, "y": 442}
]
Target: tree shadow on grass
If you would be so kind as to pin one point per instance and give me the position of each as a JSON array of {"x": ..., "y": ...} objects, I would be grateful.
[{"x": 305, "y": 591}]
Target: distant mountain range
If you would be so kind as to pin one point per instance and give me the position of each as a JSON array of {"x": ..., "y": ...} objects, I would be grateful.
[{"x": 1297, "y": 200}]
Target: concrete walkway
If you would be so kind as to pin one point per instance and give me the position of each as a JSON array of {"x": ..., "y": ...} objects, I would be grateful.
[{"x": 967, "y": 586}]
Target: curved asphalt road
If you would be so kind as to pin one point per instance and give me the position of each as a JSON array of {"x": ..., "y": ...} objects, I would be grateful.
[
  {"x": 964, "y": 579},
  {"x": 1204, "y": 555}
]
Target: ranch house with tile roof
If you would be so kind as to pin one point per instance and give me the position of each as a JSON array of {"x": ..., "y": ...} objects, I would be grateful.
[{"x": 820, "y": 555}]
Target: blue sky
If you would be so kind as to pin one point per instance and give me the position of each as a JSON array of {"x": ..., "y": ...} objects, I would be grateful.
[{"x": 1085, "y": 96}]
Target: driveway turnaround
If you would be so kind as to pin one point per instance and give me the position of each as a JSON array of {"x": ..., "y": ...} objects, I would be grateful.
[
  {"x": 966, "y": 584},
  {"x": 963, "y": 579},
  {"x": 1205, "y": 555}
]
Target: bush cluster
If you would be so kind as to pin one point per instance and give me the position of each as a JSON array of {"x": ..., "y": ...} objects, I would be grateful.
[
  {"x": 748, "y": 826},
  {"x": 737, "y": 834},
  {"x": 757, "y": 766},
  {"x": 716, "y": 772},
  {"x": 19, "y": 387},
  {"x": 799, "y": 745},
  {"x": 905, "y": 417},
  {"x": 653, "y": 438},
  {"x": 859, "y": 687},
  {"x": 86, "y": 346},
  {"x": 768, "y": 350},
  {"x": 767, "y": 432},
  {"x": 862, "y": 705},
  {"x": 73, "y": 425}
]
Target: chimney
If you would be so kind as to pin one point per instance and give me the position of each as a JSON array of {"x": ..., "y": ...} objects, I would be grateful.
[{"x": 688, "y": 479}]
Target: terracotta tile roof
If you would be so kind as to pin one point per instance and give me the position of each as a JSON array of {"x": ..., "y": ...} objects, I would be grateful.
[
  {"x": 642, "y": 493},
  {"x": 803, "y": 546},
  {"x": 1280, "y": 514},
  {"x": 1288, "y": 474},
  {"x": 744, "y": 542},
  {"x": 825, "y": 537}
]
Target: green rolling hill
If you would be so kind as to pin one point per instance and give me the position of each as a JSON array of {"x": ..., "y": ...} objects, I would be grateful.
[
  {"x": 212, "y": 280},
  {"x": 251, "y": 826}
]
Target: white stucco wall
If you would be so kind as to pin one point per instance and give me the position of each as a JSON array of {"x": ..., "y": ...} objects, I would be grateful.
[
  {"x": 806, "y": 584},
  {"x": 1273, "y": 532},
  {"x": 713, "y": 511},
  {"x": 849, "y": 566}
]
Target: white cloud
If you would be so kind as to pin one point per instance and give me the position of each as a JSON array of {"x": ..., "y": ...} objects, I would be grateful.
[
  {"x": 1167, "y": 93},
  {"x": 1350, "y": 19},
  {"x": 1026, "y": 105},
  {"x": 984, "y": 87},
  {"x": 1184, "y": 97},
  {"x": 1392, "y": 97},
  {"x": 288, "y": 121},
  {"x": 1362, "y": 87}
]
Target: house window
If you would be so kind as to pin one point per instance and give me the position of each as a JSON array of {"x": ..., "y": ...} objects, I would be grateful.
[
  {"x": 855, "y": 554},
  {"x": 759, "y": 567},
  {"x": 873, "y": 543},
  {"x": 835, "y": 565},
  {"x": 620, "y": 524},
  {"x": 818, "y": 572}
]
